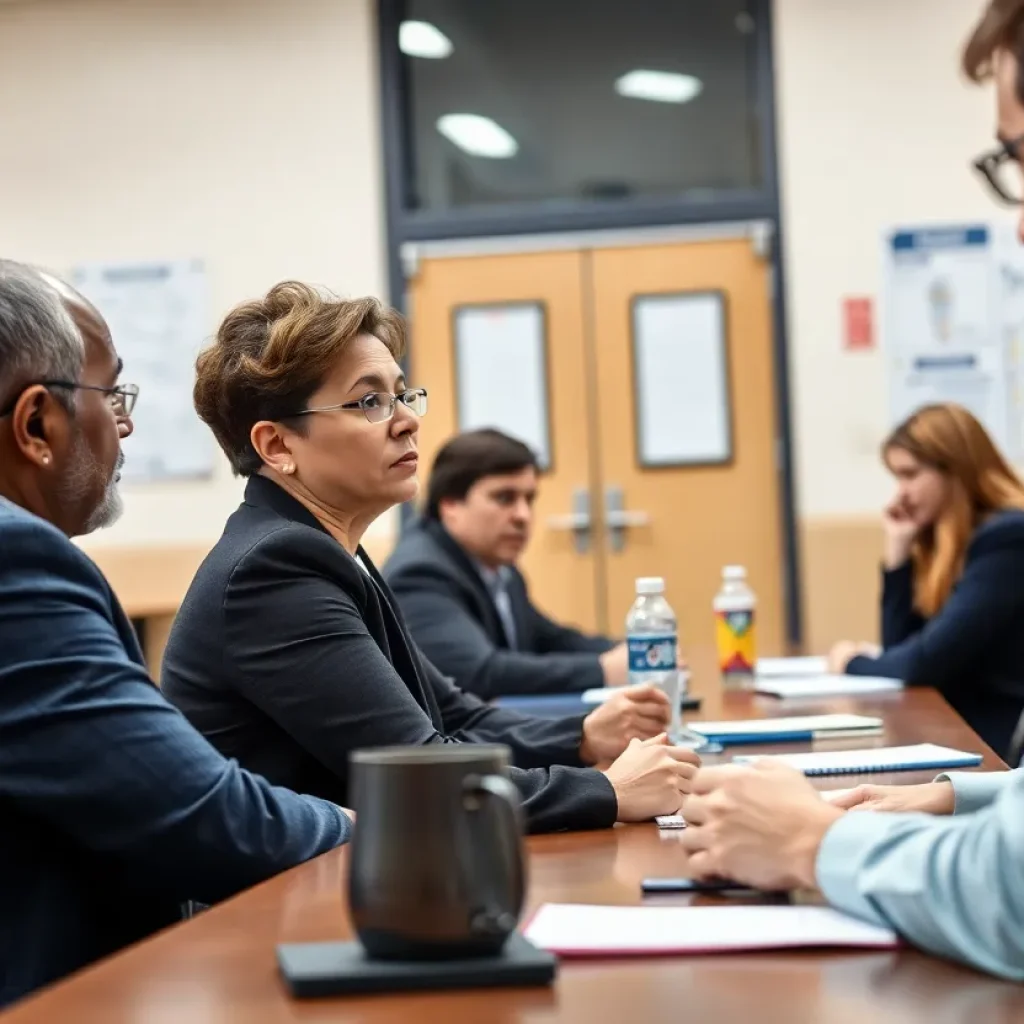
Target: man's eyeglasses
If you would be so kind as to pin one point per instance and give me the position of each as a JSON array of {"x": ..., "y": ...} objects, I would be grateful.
[
  {"x": 378, "y": 406},
  {"x": 122, "y": 397},
  {"x": 1002, "y": 170}
]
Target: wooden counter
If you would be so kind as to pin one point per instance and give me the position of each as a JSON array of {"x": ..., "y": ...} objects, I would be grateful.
[{"x": 220, "y": 967}]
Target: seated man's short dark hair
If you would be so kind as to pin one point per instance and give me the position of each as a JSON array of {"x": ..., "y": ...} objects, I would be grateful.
[{"x": 469, "y": 457}]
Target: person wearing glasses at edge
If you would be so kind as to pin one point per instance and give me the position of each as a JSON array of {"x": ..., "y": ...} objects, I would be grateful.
[
  {"x": 951, "y": 885},
  {"x": 289, "y": 650},
  {"x": 114, "y": 811}
]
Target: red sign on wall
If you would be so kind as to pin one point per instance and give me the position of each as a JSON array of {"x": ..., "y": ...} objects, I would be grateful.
[{"x": 858, "y": 324}]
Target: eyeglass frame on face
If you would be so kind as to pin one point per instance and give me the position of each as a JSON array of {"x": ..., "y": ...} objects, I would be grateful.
[
  {"x": 988, "y": 163},
  {"x": 128, "y": 394},
  {"x": 360, "y": 403}
]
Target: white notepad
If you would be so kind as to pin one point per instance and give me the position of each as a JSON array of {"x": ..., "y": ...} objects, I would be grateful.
[
  {"x": 795, "y": 724},
  {"x": 826, "y": 685},
  {"x": 787, "y": 668},
  {"x": 571, "y": 930},
  {"x": 880, "y": 759}
]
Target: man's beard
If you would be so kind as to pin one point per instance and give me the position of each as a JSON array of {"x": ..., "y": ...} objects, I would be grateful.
[{"x": 80, "y": 481}]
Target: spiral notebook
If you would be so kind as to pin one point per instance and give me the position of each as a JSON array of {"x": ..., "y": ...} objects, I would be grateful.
[{"x": 917, "y": 757}]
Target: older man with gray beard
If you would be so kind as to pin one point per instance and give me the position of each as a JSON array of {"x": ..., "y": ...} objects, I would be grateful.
[{"x": 113, "y": 809}]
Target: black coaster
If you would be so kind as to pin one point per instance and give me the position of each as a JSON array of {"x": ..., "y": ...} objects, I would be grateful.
[{"x": 313, "y": 969}]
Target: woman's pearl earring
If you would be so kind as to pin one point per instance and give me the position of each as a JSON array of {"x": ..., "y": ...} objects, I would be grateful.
[
  {"x": 289, "y": 467},
  {"x": 46, "y": 460}
]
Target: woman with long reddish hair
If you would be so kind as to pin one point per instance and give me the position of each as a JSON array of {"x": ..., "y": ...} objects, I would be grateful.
[{"x": 953, "y": 572}]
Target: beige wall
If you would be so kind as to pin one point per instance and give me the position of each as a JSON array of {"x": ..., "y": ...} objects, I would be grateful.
[
  {"x": 876, "y": 129},
  {"x": 245, "y": 132},
  {"x": 240, "y": 131}
]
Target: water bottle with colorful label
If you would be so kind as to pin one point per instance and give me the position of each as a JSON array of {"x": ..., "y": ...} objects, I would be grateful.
[{"x": 735, "y": 629}]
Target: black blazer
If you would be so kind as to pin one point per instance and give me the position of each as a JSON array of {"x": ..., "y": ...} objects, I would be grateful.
[
  {"x": 452, "y": 617},
  {"x": 288, "y": 656},
  {"x": 972, "y": 650},
  {"x": 113, "y": 809}
]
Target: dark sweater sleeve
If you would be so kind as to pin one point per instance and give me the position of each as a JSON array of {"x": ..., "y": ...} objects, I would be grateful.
[
  {"x": 988, "y": 601},
  {"x": 316, "y": 671},
  {"x": 899, "y": 618},
  {"x": 453, "y": 639},
  {"x": 88, "y": 744}
]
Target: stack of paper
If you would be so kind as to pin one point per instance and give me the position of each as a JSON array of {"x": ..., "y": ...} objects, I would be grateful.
[
  {"x": 826, "y": 685},
  {"x": 917, "y": 756},
  {"x": 796, "y": 729},
  {"x": 787, "y": 668},
  {"x": 579, "y": 931}
]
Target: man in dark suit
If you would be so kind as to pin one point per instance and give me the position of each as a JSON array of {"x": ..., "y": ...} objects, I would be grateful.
[
  {"x": 463, "y": 598},
  {"x": 113, "y": 809}
]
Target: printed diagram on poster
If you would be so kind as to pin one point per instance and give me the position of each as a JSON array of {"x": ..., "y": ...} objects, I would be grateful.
[
  {"x": 952, "y": 294},
  {"x": 158, "y": 317}
]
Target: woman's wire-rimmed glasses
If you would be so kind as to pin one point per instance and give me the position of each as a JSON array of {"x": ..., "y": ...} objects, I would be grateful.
[{"x": 378, "y": 406}]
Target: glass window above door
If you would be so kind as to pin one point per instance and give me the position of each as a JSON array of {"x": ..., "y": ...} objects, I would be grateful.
[{"x": 534, "y": 101}]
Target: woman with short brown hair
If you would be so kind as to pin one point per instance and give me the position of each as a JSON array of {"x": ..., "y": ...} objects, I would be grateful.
[{"x": 289, "y": 651}]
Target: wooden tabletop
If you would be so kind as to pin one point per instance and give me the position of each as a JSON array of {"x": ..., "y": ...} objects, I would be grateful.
[{"x": 220, "y": 967}]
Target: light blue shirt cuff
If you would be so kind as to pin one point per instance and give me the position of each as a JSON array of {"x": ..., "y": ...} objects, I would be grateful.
[
  {"x": 846, "y": 846},
  {"x": 974, "y": 790}
]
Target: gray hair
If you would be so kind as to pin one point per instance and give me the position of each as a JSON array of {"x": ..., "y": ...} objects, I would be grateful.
[{"x": 38, "y": 339}]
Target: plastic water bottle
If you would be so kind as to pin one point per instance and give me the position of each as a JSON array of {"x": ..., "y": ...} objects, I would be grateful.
[
  {"x": 735, "y": 629},
  {"x": 652, "y": 638}
]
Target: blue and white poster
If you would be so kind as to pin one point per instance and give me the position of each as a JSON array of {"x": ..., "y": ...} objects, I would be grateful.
[{"x": 944, "y": 326}]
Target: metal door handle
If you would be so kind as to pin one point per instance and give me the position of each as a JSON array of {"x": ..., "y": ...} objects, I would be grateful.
[
  {"x": 578, "y": 520},
  {"x": 622, "y": 518},
  {"x": 618, "y": 519}
]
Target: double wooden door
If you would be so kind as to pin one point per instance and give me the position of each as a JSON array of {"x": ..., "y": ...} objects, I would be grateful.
[{"x": 643, "y": 374}]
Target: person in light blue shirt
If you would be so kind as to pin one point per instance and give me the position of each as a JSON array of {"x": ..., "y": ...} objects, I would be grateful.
[{"x": 950, "y": 886}]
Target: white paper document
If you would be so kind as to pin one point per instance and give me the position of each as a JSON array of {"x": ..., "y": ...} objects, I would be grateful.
[
  {"x": 670, "y": 821},
  {"x": 876, "y": 759},
  {"x": 158, "y": 314},
  {"x": 571, "y": 930},
  {"x": 786, "y": 668},
  {"x": 783, "y": 726},
  {"x": 826, "y": 685}
]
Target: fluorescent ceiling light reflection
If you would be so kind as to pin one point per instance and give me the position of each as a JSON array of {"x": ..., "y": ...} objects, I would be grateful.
[
  {"x": 478, "y": 135},
  {"x": 659, "y": 86},
  {"x": 421, "y": 39}
]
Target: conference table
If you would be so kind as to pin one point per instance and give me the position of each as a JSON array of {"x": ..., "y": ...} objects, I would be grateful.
[{"x": 220, "y": 966}]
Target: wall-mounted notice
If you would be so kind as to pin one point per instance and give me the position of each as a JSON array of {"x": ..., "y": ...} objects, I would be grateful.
[
  {"x": 1009, "y": 259},
  {"x": 858, "y": 324},
  {"x": 158, "y": 317},
  {"x": 944, "y": 338}
]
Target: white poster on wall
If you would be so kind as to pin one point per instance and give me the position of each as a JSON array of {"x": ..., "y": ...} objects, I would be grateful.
[
  {"x": 158, "y": 318},
  {"x": 1009, "y": 259},
  {"x": 944, "y": 325}
]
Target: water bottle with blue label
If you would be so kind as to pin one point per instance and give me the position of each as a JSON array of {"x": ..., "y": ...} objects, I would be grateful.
[{"x": 652, "y": 638}]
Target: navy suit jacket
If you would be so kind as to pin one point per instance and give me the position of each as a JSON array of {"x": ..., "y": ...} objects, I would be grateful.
[
  {"x": 972, "y": 650},
  {"x": 452, "y": 617},
  {"x": 113, "y": 809}
]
